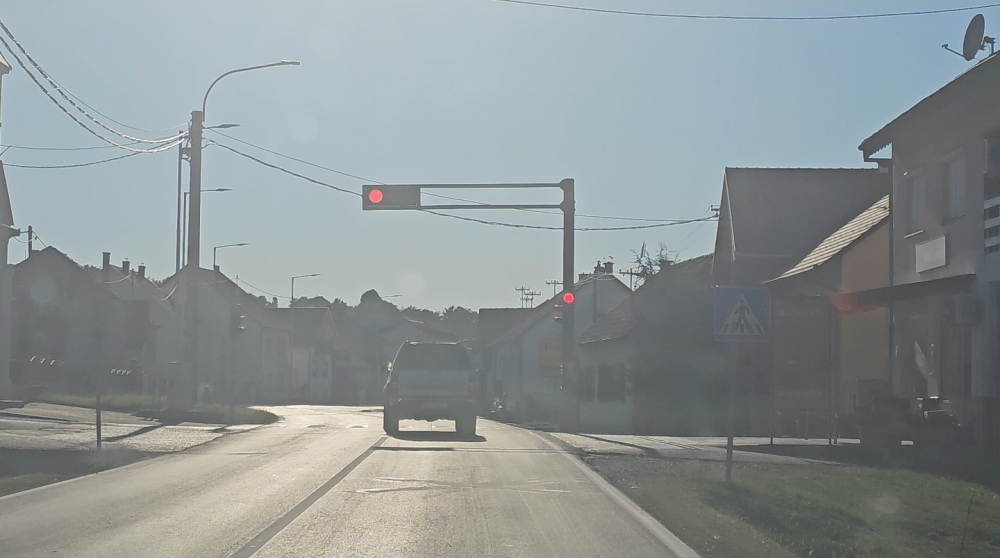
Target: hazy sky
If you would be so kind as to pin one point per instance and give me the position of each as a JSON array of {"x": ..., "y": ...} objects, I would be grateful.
[{"x": 645, "y": 113}]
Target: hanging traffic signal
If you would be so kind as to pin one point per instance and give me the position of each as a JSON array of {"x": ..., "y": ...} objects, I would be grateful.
[{"x": 390, "y": 197}]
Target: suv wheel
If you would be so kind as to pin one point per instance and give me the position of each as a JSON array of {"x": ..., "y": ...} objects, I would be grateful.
[
  {"x": 390, "y": 422},
  {"x": 465, "y": 425}
]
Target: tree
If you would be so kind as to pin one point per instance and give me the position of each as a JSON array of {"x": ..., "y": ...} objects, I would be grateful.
[{"x": 650, "y": 264}]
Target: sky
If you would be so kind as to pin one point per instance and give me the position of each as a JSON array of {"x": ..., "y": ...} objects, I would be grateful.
[{"x": 643, "y": 113}]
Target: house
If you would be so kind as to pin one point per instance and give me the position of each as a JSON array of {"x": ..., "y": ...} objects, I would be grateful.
[
  {"x": 831, "y": 355},
  {"x": 944, "y": 159},
  {"x": 650, "y": 365},
  {"x": 313, "y": 343},
  {"x": 243, "y": 348},
  {"x": 492, "y": 324},
  {"x": 525, "y": 361},
  {"x": 70, "y": 331},
  {"x": 769, "y": 220},
  {"x": 160, "y": 355}
]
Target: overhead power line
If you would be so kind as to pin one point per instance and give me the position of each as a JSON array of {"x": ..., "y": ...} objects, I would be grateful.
[
  {"x": 82, "y": 148},
  {"x": 284, "y": 170},
  {"x": 578, "y": 229},
  {"x": 469, "y": 219},
  {"x": 55, "y": 85},
  {"x": 442, "y": 196},
  {"x": 72, "y": 166},
  {"x": 238, "y": 280},
  {"x": 749, "y": 17}
]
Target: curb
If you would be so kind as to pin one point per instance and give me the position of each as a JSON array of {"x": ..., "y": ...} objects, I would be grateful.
[{"x": 675, "y": 545}]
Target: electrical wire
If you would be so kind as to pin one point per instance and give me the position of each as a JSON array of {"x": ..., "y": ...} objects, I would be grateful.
[
  {"x": 748, "y": 18},
  {"x": 77, "y": 165},
  {"x": 578, "y": 229},
  {"x": 284, "y": 170},
  {"x": 441, "y": 196},
  {"x": 470, "y": 219},
  {"x": 290, "y": 158},
  {"x": 55, "y": 85},
  {"x": 83, "y": 148},
  {"x": 77, "y": 120},
  {"x": 258, "y": 289}
]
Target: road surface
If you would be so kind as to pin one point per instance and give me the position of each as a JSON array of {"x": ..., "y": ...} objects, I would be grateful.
[{"x": 327, "y": 482}]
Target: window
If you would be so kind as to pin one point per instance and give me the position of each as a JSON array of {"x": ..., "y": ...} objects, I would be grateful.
[
  {"x": 917, "y": 188},
  {"x": 610, "y": 383},
  {"x": 956, "y": 188}
]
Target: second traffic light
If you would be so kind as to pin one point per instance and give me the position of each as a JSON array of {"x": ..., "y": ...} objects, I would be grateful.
[{"x": 390, "y": 197}]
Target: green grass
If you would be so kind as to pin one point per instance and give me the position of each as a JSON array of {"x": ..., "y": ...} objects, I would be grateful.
[
  {"x": 121, "y": 402},
  {"x": 131, "y": 403},
  {"x": 243, "y": 414},
  {"x": 863, "y": 512}
]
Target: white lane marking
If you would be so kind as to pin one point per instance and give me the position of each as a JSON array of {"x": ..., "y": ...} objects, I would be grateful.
[{"x": 670, "y": 540}]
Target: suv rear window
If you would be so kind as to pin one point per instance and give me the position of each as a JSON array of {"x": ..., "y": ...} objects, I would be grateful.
[{"x": 430, "y": 357}]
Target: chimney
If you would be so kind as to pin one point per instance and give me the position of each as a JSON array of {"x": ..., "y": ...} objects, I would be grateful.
[
  {"x": 609, "y": 268},
  {"x": 142, "y": 271},
  {"x": 107, "y": 260},
  {"x": 125, "y": 267}
]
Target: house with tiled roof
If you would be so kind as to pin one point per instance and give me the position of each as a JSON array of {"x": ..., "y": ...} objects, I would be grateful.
[
  {"x": 648, "y": 365},
  {"x": 830, "y": 352},
  {"x": 769, "y": 220},
  {"x": 523, "y": 364},
  {"x": 243, "y": 348}
]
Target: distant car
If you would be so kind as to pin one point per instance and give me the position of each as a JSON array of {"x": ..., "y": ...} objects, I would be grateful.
[{"x": 431, "y": 381}]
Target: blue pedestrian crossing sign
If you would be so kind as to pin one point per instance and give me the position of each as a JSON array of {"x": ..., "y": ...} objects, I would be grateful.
[{"x": 742, "y": 314}]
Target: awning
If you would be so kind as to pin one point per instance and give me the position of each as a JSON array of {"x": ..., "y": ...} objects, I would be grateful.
[{"x": 863, "y": 301}]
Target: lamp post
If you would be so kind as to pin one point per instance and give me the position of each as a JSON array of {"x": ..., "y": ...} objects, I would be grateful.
[
  {"x": 215, "y": 250},
  {"x": 192, "y": 279},
  {"x": 184, "y": 214},
  {"x": 291, "y": 333}
]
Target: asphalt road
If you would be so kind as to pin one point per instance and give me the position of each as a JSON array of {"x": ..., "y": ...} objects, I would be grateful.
[{"x": 327, "y": 482}]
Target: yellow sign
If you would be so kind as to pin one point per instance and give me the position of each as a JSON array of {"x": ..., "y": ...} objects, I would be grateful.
[{"x": 550, "y": 357}]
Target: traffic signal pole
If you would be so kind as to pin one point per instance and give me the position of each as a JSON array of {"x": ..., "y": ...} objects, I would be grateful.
[
  {"x": 408, "y": 197},
  {"x": 569, "y": 372}
]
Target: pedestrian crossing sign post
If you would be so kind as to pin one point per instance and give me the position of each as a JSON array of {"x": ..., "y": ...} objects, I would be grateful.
[{"x": 742, "y": 314}]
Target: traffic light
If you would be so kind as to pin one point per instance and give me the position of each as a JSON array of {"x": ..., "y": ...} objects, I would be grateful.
[
  {"x": 390, "y": 197},
  {"x": 236, "y": 319},
  {"x": 568, "y": 298}
]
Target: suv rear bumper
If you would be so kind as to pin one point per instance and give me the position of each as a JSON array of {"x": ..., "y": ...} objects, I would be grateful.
[{"x": 430, "y": 409}]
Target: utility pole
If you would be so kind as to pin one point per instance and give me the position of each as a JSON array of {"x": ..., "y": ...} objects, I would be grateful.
[
  {"x": 632, "y": 274},
  {"x": 555, "y": 286},
  {"x": 531, "y": 298},
  {"x": 192, "y": 271},
  {"x": 31, "y": 240},
  {"x": 522, "y": 289}
]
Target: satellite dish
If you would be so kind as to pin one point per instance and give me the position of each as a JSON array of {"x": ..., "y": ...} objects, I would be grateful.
[{"x": 973, "y": 42}]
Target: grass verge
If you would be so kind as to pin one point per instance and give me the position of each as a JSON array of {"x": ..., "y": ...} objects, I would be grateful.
[
  {"x": 121, "y": 402},
  {"x": 131, "y": 403},
  {"x": 829, "y": 512}
]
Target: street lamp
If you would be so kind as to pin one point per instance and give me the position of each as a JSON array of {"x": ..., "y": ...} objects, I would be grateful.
[
  {"x": 215, "y": 249},
  {"x": 192, "y": 280},
  {"x": 184, "y": 213},
  {"x": 291, "y": 333}
]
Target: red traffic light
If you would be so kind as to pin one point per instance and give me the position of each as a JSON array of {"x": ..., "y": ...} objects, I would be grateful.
[
  {"x": 568, "y": 298},
  {"x": 375, "y": 195}
]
